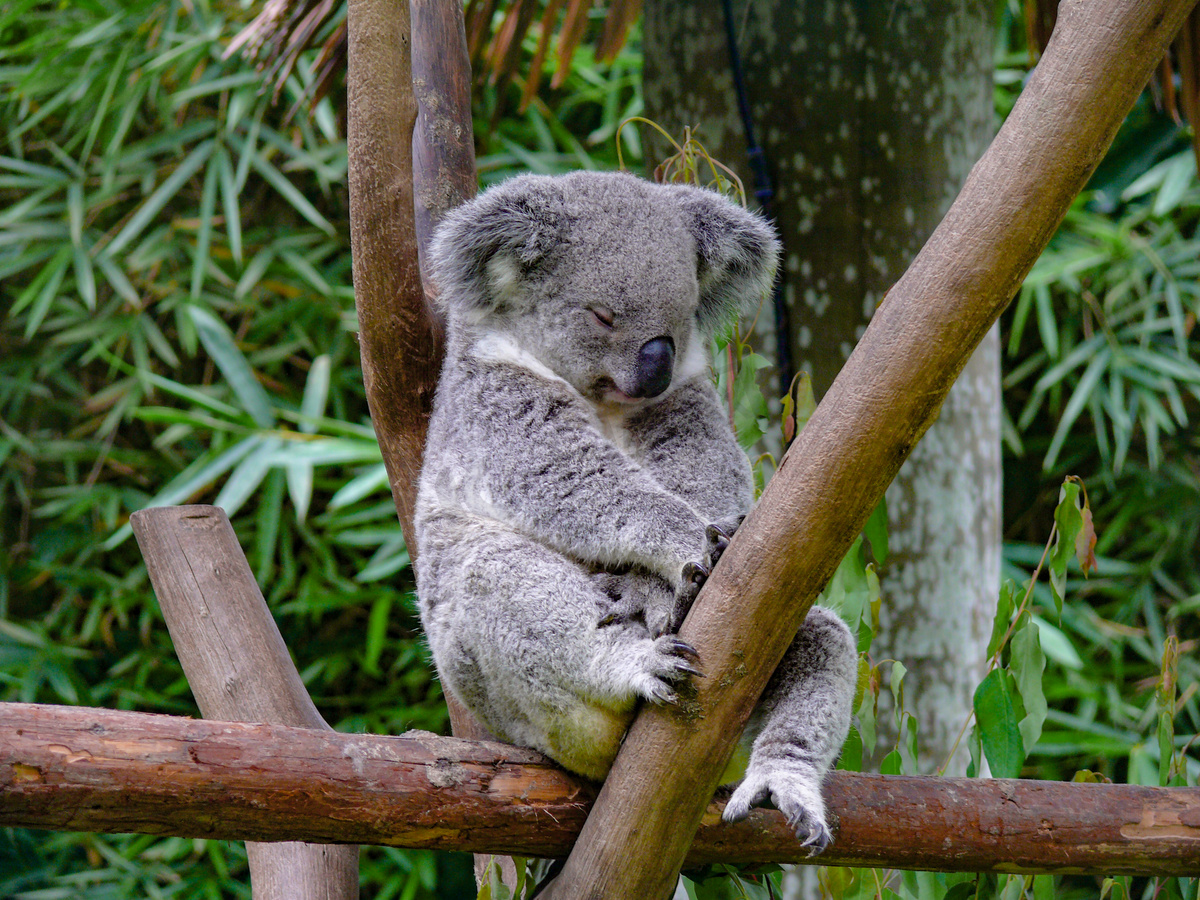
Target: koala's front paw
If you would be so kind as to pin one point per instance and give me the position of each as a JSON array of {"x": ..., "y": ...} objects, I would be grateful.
[
  {"x": 667, "y": 663},
  {"x": 796, "y": 795},
  {"x": 695, "y": 574}
]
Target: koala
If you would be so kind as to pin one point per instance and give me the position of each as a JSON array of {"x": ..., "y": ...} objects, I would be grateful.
[{"x": 581, "y": 476}]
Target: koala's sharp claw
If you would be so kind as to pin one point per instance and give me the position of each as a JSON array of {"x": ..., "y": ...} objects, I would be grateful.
[
  {"x": 664, "y": 695},
  {"x": 683, "y": 648},
  {"x": 817, "y": 841},
  {"x": 716, "y": 534},
  {"x": 690, "y": 669},
  {"x": 695, "y": 573}
]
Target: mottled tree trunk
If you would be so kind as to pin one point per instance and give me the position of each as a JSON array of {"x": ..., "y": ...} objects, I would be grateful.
[{"x": 870, "y": 115}]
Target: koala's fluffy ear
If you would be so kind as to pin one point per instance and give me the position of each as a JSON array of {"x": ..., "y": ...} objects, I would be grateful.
[
  {"x": 738, "y": 253},
  {"x": 484, "y": 249}
]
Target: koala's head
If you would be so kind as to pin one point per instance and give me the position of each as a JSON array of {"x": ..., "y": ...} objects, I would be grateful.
[{"x": 612, "y": 282}]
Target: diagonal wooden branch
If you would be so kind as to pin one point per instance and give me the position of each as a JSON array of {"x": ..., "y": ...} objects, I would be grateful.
[
  {"x": 1101, "y": 55},
  {"x": 104, "y": 770}
]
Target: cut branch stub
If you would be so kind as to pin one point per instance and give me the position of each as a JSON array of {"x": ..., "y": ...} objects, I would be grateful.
[{"x": 238, "y": 669}]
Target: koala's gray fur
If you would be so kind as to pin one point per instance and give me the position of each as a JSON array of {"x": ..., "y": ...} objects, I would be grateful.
[{"x": 576, "y": 456}]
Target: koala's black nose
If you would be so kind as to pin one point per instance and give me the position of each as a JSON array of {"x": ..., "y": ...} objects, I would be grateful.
[{"x": 655, "y": 362}]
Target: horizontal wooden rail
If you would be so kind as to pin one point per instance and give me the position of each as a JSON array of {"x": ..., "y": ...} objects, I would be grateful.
[{"x": 80, "y": 769}]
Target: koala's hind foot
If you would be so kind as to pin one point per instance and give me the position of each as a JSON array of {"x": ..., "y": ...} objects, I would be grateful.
[
  {"x": 801, "y": 724},
  {"x": 796, "y": 794},
  {"x": 718, "y": 536}
]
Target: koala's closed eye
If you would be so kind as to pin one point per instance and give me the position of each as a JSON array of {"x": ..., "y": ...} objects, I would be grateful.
[{"x": 602, "y": 316}]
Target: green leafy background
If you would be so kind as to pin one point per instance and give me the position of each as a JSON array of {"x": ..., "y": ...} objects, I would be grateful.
[{"x": 178, "y": 327}]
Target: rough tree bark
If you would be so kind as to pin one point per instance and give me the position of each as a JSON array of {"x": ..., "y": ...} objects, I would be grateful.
[
  {"x": 110, "y": 771},
  {"x": 884, "y": 399},
  {"x": 870, "y": 115},
  {"x": 399, "y": 337}
]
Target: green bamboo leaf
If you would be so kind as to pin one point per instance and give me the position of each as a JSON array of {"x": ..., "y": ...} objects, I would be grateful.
[
  {"x": 85, "y": 277},
  {"x": 43, "y": 290},
  {"x": 117, "y": 281},
  {"x": 208, "y": 203},
  {"x": 1176, "y": 181},
  {"x": 1079, "y": 398},
  {"x": 369, "y": 482},
  {"x": 291, "y": 193},
  {"x": 231, "y": 200},
  {"x": 328, "y": 451},
  {"x": 307, "y": 272},
  {"x": 247, "y": 475},
  {"x": 1085, "y": 352},
  {"x": 196, "y": 477},
  {"x": 158, "y": 341},
  {"x": 385, "y": 562},
  {"x": 997, "y": 721},
  {"x": 1046, "y": 321},
  {"x": 268, "y": 518},
  {"x": 254, "y": 272},
  {"x": 193, "y": 395},
  {"x": 316, "y": 392},
  {"x": 300, "y": 486},
  {"x": 377, "y": 625},
  {"x": 100, "y": 114},
  {"x": 161, "y": 197},
  {"x": 214, "y": 86},
  {"x": 220, "y": 345}
]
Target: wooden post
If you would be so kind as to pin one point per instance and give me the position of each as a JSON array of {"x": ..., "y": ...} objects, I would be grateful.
[{"x": 239, "y": 670}]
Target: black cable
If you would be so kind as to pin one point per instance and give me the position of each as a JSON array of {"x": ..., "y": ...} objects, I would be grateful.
[{"x": 765, "y": 194}]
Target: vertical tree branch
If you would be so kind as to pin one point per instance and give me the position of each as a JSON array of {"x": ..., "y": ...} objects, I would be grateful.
[
  {"x": 239, "y": 671},
  {"x": 399, "y": 338},
  {"x": 443, "y": 143},
  {"x": 409, "y": 164},
  {"x": 1101, "y": 55}
]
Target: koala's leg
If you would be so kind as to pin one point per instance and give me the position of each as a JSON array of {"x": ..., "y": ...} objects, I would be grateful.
[
  {"x": 802, "y": 722},
  {"x": 516, "y": 635}
]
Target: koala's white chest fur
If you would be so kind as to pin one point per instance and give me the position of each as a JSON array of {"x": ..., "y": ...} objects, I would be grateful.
[{"x": 611, "y": 424}]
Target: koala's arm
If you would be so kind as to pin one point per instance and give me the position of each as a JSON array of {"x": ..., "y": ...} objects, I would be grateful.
[
  {"x": 533, "y": 456},
  {"x": 686, "y": 443}
]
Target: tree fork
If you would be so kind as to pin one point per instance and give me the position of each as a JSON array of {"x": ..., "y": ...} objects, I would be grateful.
[
  {"x": 70, "y": 768},
  {"x": 1099, "y": 58}
]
